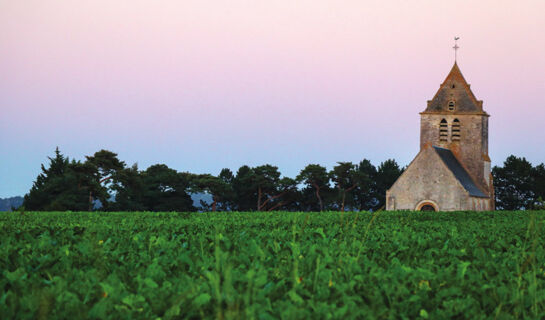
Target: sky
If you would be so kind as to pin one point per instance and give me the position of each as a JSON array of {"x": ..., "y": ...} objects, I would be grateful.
[{"x": 203, "y": 85}]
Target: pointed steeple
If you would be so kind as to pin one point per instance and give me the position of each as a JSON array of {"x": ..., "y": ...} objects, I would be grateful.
[
  {"x": 455, "y": 74},
  {"x": 455, "y": 95}
]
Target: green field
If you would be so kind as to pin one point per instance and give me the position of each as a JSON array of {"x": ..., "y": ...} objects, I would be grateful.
[{"x": 387, "y": 265}]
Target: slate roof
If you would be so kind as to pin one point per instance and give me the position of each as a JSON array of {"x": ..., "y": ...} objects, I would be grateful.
[{"x": 459, "y": 172}]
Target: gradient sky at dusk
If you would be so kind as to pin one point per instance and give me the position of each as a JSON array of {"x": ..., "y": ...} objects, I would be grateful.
[{"x": 202, "y": 85}]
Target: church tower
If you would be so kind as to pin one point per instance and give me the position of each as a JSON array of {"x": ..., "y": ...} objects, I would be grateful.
[
  {"x": 454, "y": 119},
  {"x": 452, "y": 170}
]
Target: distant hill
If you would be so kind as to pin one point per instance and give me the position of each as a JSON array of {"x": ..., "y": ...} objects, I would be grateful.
[
  {"x": 8, "y": 203},
  {"x": 16, "y": 202}
]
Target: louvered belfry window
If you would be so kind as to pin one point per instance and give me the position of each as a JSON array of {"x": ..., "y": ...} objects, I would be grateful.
[
  {"x": 456, "y": 130},
  {"x": 443, "y": 130}
]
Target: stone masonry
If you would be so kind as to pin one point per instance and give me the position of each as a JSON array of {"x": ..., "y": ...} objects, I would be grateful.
[{"x": 452, "y": 170}]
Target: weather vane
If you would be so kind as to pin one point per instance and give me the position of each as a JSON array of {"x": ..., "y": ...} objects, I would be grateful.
[{"x": 455, "y": 47}]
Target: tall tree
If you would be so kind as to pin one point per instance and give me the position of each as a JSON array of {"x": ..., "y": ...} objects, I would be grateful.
[
  {"x": 215, "y": 186},
  {"x": 387, "y": 173},
  {"x": 166, "y": 190},
  {"x": 104, "y": 164},
  {"x": 266, "y": 179},
  {"x": 513, "y": 184},
  {"x": 345, "y": 177},
  {"x": 538, "y": 175},
  {"x": 281, "y": 196},
  {"x": 315, "y": 177},
  {"x": 287, "y": 196},
  {"x": 365, "y": 194},
  {"x": 64, "y": 185},
  {"x": 128, "y": 187},
  {"x": 227, "y": 176},
  {"x": 245, "y": 196}
]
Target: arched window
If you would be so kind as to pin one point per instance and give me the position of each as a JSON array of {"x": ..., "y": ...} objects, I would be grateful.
[
  {"x": 456, "y": 130},
  {"x": 443, "y": 130},
  {"x": 451, "y": 105}
]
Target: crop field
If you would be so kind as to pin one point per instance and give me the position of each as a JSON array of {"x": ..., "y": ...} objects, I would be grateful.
[{"x": 256, "y": 265}]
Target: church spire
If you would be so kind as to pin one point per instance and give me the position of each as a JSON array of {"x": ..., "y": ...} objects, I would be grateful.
[
  {"x": 454, "y": 95},
  {"x": 455, "y": 75}
]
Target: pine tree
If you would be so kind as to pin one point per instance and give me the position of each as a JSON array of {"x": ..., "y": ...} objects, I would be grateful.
[{"x": 61, "y": 186}]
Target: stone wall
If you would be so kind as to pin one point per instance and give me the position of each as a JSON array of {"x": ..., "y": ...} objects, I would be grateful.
[
  {"x": 472, "y": 147},
  {"x": 427, "y": 178},
  {"x": 479, "y": 204}
]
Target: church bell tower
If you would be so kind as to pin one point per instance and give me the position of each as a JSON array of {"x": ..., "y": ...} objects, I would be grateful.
[
  {"x": 454, "y": 119},
  {"x": 451, "y": 172}
]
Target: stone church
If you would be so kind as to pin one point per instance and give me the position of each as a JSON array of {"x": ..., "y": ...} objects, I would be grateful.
[{"x": 452, "y": 170}]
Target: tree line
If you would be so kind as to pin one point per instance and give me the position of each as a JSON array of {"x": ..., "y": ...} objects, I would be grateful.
[
  {"x": 104, "y": 179},
  {"x": 105, "y": 182}
]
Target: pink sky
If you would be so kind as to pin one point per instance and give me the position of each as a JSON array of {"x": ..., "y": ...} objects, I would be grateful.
[{"x": 202, "y": 85}]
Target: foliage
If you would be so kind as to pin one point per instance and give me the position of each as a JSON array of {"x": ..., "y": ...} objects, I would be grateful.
[
  {"x": 104, "y": 182},
  {"x": 165, "y": 189},
  {"x": 215, "y": 186},
  {"x": 386, "y": 265},
  {"x": 103, "y": 165},
  {"x": 245, "y": 195},
  {"x": 387, "y": 173},
  {"x": 365, "y": 195},
  {"x": 316, "y": 181},
  {"x": 518, "y": 184},
  {"x": 64, "y": 185}
]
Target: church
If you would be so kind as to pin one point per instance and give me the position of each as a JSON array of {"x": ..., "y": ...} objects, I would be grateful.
[{"x": 452, "y": 170}]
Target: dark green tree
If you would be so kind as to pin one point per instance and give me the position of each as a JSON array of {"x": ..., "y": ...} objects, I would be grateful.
[
  {"x": 64, "y": 185},
  {"x": 128, "y": 187},
  {"x": 288, "y": 196},
  {"x": 538, "y": 175},
  {"x": 104, "y": 165},
  {"x": 387, "y": 173},
  {"x": 166, "y": 190},
  {"x": 245, "y": 192},
  {"x": 345, "y": 178},
  {"x": 365, "y": 193},
  {"x": 315, "y": 178},
  {"x": 227, "y": 176},
  {"x": 266, "y": 179},
  {"x": 281, "y": 196},
  {"x": 514, "y": 184},
  {"x": 214, "y": 186}
]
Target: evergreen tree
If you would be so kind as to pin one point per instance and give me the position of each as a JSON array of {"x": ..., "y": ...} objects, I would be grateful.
[
  {"x": 387, "y": 173},
  {"x": 514, "y": 184},
  {"x": 104, "y": 165},
  {"x": 538, "y": 175},
  {"x": 214, "y": 186},
  {"x": 365, "y": 194},
  {"x": 345, "y": 177},
  {"x": 245, "y": 192},
  {"x": 128, "y": 187},
  {"x": 64, "y": 185},
  {"x": 164, "y": 189},
  {"x": 316, "y": 180}
]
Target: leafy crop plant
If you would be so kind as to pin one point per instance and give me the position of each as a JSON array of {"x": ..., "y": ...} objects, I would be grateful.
[{"x": 257, "y": 265}]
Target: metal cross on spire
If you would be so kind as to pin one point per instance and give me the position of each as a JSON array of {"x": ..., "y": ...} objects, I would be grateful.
[{"x": 455, "y": 47}]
